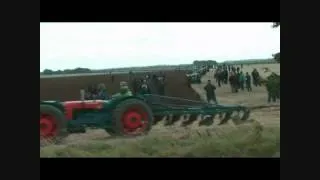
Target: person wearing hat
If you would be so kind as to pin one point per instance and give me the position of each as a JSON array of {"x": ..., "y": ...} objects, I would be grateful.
[{"x": 124, "y": 90}]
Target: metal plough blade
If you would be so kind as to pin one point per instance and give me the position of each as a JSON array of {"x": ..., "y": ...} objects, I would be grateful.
[
  {"x": 190, "y": 120},
  {"x": 240, "y": 116},
  {"x": 236, "y": 116},
  {"x": 207, "y": 120},
  {"x": 157, "y": 119},
  {"x": 225, "y": 117},
  {"x": 246, "y": 115},
  {"x": 172, "y": 120}
]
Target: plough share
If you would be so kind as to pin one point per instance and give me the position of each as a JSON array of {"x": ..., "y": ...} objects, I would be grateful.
[{"x": 131, "y": 115}]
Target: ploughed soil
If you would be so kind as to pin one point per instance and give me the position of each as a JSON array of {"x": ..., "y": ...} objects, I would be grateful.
[{"x": 68, "y": 88}]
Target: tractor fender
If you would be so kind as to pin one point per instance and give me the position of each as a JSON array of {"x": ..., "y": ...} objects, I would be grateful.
[
  {"x": 56, "y": 104},
  {"x": 116, "y": 101}
]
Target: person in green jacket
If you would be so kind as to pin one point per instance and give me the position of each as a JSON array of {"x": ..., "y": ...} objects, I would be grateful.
[
  {"x": 273, "y": 87},
  {"x": 124, "y": 90},
  {"x": 242, "y": 80}
]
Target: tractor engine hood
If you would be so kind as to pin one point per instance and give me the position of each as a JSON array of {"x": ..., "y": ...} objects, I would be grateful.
[
  {"x": 70, "y": 106},
  {"x": 86, "y": 104}
]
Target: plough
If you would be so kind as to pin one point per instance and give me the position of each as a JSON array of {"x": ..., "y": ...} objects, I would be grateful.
[{"x": 131, "y": 115}]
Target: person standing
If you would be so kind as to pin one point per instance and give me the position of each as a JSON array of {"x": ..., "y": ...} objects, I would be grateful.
[
  {"x": 144, "y": 89},
  {"x": 225, "y": 76},
  {"x": 248, "y": 82},
  {"x": 210, "y": 92},
  {"x": 273, "y": 87},
  {"x": 102, "y": 92},
  {"x": 256, "y": 77},
  {"x": 238, "y": 70},
  {"x": 241, "y": 80},
  {"x": 237, "y": 79},
  {"x": 220, "y": 77},
  {"x": 233, "y": 82}
]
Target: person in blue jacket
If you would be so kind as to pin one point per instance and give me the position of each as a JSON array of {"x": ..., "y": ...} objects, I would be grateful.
[{"x": 102, "y": 92}]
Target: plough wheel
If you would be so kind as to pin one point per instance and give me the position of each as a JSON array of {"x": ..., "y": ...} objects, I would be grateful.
[
  {"x": 132, "y": 117},
  {"x": 52, "y": 123}
]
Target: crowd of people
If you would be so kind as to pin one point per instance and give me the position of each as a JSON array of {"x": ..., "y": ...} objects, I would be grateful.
[
  {"x": 223, "y": 75},
  {"x": 148, "y": 84},
  {"x": 96, "y": 92},
  {"x": 237, "y": 79},
  {"x": 228, "y": 74}
]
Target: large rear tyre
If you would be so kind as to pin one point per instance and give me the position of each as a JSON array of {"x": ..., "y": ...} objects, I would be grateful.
[
  {"x": 132, "y": 117},
  {"x": 52, "y": 124}
]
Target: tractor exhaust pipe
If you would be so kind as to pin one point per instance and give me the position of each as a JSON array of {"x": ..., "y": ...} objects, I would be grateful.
[{"x": 82, "y": 94}]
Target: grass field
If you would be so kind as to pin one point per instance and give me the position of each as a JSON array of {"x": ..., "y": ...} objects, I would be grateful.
[{"x": 258, "y": 138}]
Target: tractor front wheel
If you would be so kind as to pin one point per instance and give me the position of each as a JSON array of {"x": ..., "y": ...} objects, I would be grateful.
[
  {"x": 52, "y": 123},
  {"x": 132, "y": 117}
]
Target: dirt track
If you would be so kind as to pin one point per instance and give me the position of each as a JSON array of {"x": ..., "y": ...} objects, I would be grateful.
[{"x": 67, "y": 88}]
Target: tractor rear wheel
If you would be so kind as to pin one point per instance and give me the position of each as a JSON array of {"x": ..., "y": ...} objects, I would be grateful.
[
  {"x": 52, "y": 124},
  {"x": 132, "y": 117}
]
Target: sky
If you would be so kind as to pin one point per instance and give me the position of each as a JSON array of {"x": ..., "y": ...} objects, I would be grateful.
[{"x": 113, "y": 45}]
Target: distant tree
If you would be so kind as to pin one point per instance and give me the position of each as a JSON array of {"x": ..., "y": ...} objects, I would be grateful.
[
  {"x": 48, "y": 72},
  {"x": 277, "y": 55},
  {"x": 67, "y": 71},
  {"x": 212, "y": 62},
  {"x": 276, "y": 24},
  {"x": 81, "y": 70},
  {"x": 196, "y": 62},
  {"x": 59, "y": 72}
]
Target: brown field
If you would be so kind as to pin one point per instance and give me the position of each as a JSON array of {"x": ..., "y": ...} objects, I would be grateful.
[
  {"x": 226, "y": 140},
  {"x": 67, "y": 88}
]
